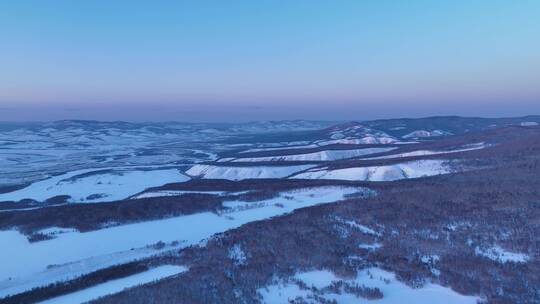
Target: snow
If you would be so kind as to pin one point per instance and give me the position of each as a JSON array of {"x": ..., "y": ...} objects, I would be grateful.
[
  {"x": 118, "y": 285},
  {"x": 334, "y": 141},
  {"x": 73, "y": 269},
  {"x": 317, "y": 278},
  {"x": 499, "y": 254},
  {"x": 394, "y": 292},
  {"x": 91, "y": 185},
  {"x": 326, "y": 155},
  {"x": 237, "y": 255},
  {"x": 162, "y": 193},
  {"x": 56, "y": 230},
  {"x": 367, "y": 140},
  {"x": 370, "y": 246},
  {"x": 362, "y": 228},
  {"x": 244, "y": 172},
  {"x": 412, "y": 169},
  {"x": 280, "y": 148},
  {"x": 471, "y": 147},
  {"x": 424, "y": 133},
  {"x": 75, "y": 253}
]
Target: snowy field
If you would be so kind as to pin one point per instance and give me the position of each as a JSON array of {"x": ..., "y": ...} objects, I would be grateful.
[
  {"x": 115, "y": 286},
  {"x": 92, "y": 185},
  {"x": 393, "y": 291},
  {"x": 74, "y": 253},
  {"x": 413, "y": 169}
]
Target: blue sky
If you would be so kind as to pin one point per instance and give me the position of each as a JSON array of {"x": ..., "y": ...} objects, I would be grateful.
[{"x": 245, "y": 60}]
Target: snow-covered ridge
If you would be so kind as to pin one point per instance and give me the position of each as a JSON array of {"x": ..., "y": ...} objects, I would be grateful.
[
  {"x": 424, "y": 133},
  {"x": 244, "y": 172},
  {"x": 412, "y": 169},
  {"x": 384, "y": 287},
  {"x": 471, "y": 147},
  {"x": 366, "y": 140},
  {"x": 325, "y": 155}
]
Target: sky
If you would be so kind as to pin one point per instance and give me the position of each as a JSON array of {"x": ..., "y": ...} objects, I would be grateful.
[{"x": 268, "y": 60}]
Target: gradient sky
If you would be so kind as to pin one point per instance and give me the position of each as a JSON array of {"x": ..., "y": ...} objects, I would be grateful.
[{"x": 245, "y": 60}]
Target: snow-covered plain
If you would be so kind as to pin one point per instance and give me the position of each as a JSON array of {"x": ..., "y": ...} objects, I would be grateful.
[
  {"x": 115, "y": 286},
  {"x": 75, "y": 253},
  {"x": 96, "y": 185},
  {"x": 394, "y": 291},
  {"x": 325, "y": 155},
  {"x": 412, "y": 169},
  {"x": 244, "y": 172}
]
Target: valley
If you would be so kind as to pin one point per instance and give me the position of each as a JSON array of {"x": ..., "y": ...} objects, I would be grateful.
[{"x": 271, "y": 212}]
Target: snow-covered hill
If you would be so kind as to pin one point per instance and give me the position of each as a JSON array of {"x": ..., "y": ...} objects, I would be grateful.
[
  {"x": 325, "y": 155},
  {"x": 244, "y": 172},
  {"x": 413, "y": 169}
]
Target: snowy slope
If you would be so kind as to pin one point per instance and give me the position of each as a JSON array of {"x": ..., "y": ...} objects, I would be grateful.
[
  {"x": 413, "y": 169},
  {"x": 424, "y": 133},
  {"x": 238, "y": 173},
  {"x": 470, "y": 147},
  {"x": 326, "y": 155},
  {"x": 366, "y": 140}
]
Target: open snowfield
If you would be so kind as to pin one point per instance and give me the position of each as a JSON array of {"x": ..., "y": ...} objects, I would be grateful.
[
  {"x": 92, "y": 185},
  {"x": 97, "y": 249},
  {"x": 393, "y": 291},
  {"x": 239, "y": 173},
  {"x": 117, "y": 285},
  {"x": 413, "y": 169}
]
